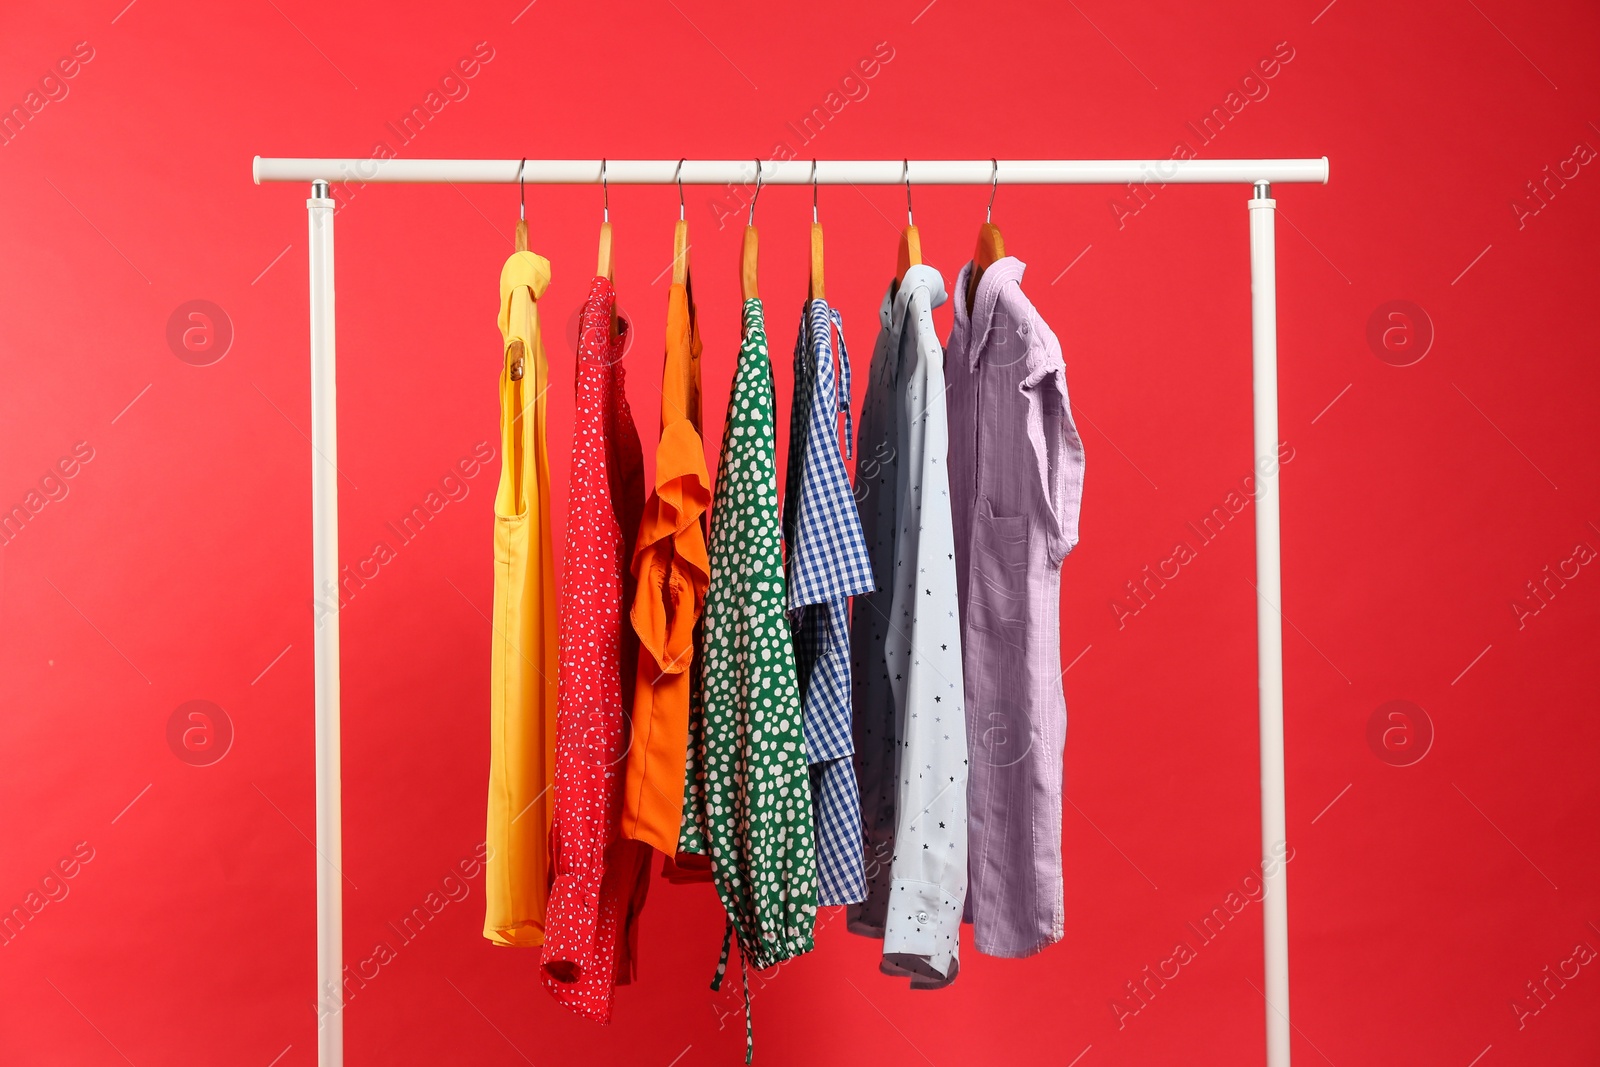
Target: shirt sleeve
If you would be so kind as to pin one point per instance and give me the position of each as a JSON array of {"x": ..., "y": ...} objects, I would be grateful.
[
  {"x": 1057, "y": 447},
  {"x": 589, "y": 716},
  {"x": 873, "y": 720}
]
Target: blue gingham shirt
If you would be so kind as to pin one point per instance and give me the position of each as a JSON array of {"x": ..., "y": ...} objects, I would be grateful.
[{"x": 827, "y": 564}]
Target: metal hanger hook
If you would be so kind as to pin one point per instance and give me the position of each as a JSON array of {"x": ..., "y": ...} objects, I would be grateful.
[
  {"x": 752, "y": 220},
  {"x": 605, "y": 193},
  {"x": 905, "y": 170},
  {"x": 677, "y": 176},
  {"x": 994, "y": 183},
  {"x": 522, "y": 192},
  {"x": 813, "y": 192}
]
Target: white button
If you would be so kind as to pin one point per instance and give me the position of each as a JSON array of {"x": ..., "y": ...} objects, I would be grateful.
[{"x": 922, "y": 917}]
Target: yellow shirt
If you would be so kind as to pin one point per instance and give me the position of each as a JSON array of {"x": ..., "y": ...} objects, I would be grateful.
[{"x": 522, "y": 704}]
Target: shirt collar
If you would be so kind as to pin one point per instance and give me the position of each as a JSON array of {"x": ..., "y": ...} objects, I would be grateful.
[
  {"x": 922, "y": 277},
  {"x": 990, "y": 286},
  {"x": 962, "y": 322}
]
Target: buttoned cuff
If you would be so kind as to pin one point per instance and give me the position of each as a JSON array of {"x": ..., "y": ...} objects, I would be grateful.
[
  {"x": 922, "y": 938},
  {"x": 570, "y": 926}
]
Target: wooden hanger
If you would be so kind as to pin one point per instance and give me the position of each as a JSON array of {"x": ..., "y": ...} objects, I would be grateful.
[
  {"x": 816, "y": 240},
  {"x": 747, "y": 265},
  {"x": 910, "y": 253},
  {"x": 991, "y": 246},
  {"x": 680, "y": 237},
  {"x": 519, "y": 242},
  {"x": 747, "y": 253},
  {"x": 910, "y": 240},
  {"x": 680, "y": 253},
  {"x": 603, "y": 266},
  {"x": 816, "y": 262}
]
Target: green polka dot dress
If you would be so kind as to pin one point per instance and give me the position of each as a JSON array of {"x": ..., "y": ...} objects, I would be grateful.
[{"x": 747, "y": 794}]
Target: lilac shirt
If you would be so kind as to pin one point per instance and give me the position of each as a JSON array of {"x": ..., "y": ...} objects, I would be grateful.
[{"x": 1016, "y": 480}]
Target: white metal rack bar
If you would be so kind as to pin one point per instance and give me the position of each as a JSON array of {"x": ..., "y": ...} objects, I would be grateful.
[
  {"x": 1258, "y": 173},
  {"x": 797, "y": 171}
]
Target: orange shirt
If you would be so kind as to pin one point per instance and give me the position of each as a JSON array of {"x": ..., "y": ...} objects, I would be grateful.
[{"x": 672, "y": 571}]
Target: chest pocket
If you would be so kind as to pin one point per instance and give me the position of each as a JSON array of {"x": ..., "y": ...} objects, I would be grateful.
[{"x": 998, "y": 594}]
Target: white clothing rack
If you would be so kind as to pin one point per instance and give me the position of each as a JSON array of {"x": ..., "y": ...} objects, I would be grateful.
[{"x": 1257, "y": 173}]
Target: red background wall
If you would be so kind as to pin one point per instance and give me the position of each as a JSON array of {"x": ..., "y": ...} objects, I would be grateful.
[{"x": 174, "y": 565}]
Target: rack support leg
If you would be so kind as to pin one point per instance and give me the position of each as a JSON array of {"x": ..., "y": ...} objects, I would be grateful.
[
  {"x": 325, "y": 576},
  {"x": 1269, "y": 620}
]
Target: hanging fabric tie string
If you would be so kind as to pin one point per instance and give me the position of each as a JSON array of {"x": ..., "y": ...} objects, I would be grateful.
[{"x": 744, "y": 979}]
